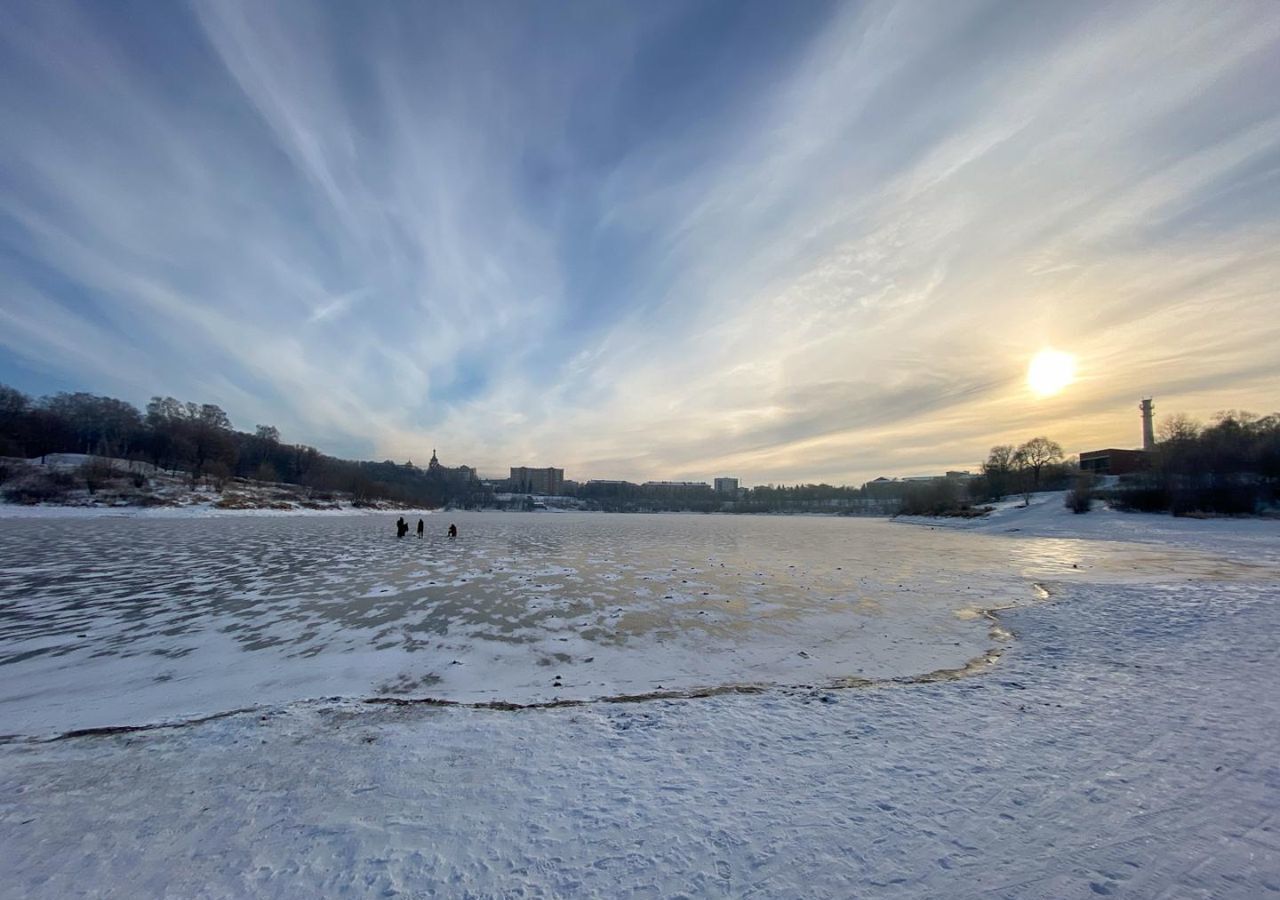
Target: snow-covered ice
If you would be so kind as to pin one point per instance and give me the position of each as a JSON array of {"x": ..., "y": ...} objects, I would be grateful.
[
  {"x": 1122, "y": 745},
  {"x": 111, "y": 622}
]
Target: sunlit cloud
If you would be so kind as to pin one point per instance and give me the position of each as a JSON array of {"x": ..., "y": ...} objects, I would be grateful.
[{"x": 825, "y": 249}]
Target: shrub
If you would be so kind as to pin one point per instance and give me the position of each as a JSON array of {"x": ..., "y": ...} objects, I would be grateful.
[
  {"x": 1218, "y": 499},
  {"x": 219, "y": 474},
  {"x": 1152, "y": 498},
  {"x": 95, "y": 473},
  {"x": 937, "y": 498},
  {"x": 39, "y": 487},
  {"x": 153, "y": 500},
  {"x": 1080, "y": 497}
]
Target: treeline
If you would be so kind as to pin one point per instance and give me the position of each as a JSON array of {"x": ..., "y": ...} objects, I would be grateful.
[
  {"x": 1229, "y": 467},
  {"x": 197, "y": 439},
  {"x": 1037, "y": 465},
  {"x": 623, "y": 496}
]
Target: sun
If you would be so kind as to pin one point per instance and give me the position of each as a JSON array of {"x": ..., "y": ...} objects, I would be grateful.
[{"x": 1050, "y": 371}]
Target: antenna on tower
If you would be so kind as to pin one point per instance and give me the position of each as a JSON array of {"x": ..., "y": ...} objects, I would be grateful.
[{"x": 1148, "y": 431}]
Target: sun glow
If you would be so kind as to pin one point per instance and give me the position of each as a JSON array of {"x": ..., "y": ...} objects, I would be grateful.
[{"x": 1050, "y": 371}]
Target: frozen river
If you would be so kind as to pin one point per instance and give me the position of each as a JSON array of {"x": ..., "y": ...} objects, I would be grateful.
[{"x": 112, "y": 621}]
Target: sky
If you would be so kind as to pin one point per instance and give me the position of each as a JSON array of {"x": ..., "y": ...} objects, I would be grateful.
[{"x": 671, "y": 240}]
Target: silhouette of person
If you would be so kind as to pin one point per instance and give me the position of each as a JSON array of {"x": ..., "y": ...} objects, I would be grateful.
[
  {"x": 401, "y": 527},
  {"x": 453, "y": 530},
  {"x": 420, "y": 526}
]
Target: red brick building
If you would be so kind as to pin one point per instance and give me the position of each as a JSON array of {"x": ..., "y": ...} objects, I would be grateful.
[{"x": 1114, "y": 462}]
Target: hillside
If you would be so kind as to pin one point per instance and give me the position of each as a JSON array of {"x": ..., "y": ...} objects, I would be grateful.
[{"x": 80, "y": 481}]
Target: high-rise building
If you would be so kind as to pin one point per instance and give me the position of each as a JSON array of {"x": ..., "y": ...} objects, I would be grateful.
[
  {"x": 527, "y": 480},
  {"x": 726, "y": 485}
]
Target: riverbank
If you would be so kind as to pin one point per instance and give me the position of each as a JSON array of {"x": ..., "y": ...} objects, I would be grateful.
[
  {"x": 70, "y": 484},
  {"x": 1238, "y": 538}
]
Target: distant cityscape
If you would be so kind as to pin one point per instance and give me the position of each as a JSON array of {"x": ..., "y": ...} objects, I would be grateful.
[
  {"x": 1230, "y": 465},
  {"x": 536, "y": 487}
]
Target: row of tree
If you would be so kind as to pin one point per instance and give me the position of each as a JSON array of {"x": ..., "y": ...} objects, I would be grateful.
[
  {"x": 198, "y": 439},
  {"x": 1036, "y": 465},
  {"x": 625, "y": 496},
  {"x": 1229, "y": 466}
]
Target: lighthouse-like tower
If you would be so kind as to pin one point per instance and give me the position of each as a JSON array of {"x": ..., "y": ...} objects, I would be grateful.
[{"x": 1148, "y": 431}]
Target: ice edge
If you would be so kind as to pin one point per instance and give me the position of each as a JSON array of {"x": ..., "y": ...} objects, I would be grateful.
[{"x": 980, "y": 663}]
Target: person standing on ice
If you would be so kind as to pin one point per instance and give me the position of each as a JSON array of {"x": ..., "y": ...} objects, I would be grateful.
[
  {"x": 420, "y": 527},
  {"x": 453, "y": 530},
  {"x": 401, "y": 527}
]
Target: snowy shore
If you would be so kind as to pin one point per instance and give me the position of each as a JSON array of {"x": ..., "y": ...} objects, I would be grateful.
[
  {"x": 205, "y": 510},
  {"x": 1122, "y": 746},
  {"x": 1253, "y": 539},
  {"x": 157, "y": 494}
]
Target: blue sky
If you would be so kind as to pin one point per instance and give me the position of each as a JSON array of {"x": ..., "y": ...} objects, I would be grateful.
[{"x": 648, "y": 240}]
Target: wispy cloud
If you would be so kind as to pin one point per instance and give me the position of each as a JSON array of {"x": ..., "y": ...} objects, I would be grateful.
[{"x": 667, "y": 241}]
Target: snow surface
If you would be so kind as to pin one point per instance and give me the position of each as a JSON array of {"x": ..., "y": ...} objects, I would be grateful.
[
  {"x": 1248, "y": 539},
  {"x": 1123, "y": 745},
  {"x": 114, "y": 622},
  {"x": 128, "y": 621}
]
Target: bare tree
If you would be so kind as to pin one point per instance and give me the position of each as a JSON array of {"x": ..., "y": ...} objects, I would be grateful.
[
  {"x": 1037, "y": 453},
  {"x": 998, "y": 470},
  {"x": 1178, "y": 428}
]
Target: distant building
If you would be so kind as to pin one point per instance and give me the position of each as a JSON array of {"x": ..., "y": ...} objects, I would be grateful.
[
  {"x": 607, "y": 489},
  {"x": 726, "y": 486},
  {"x": 527, "y": 480},
  {"x": 466, "y": 473},
  {"x": 676, "y": 486},
  {"x": 1114, "y": 461}
]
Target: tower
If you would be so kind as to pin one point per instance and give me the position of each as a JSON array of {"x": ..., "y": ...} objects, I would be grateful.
[{"x": 1148, "y": 432}]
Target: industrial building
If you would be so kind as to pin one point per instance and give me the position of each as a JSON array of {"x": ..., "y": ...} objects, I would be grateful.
[{"x": 1114, "y": 461}]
